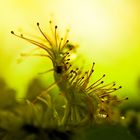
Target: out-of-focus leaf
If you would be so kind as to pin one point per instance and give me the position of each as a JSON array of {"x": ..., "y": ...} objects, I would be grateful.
[
  {"x": 105, "y": 132},
  {"x": 34, "y": 89},
  {"x": 7, "y": 96}
]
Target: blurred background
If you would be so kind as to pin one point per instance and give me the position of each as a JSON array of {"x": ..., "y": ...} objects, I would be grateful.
[{"x": 106, "y": 31}]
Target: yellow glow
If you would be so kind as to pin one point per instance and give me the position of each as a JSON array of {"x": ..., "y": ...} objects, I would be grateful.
[{"x": 107, "y": 31}]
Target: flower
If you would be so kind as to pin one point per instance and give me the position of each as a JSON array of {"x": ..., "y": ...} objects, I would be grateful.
[{"x": 84, "y": 103}]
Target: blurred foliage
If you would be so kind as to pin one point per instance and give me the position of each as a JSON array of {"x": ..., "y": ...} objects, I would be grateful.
[
  {"x": 22, "y": 120},
  {"x": 7, "y": 96},
  {"x": 106, "y": 132}
]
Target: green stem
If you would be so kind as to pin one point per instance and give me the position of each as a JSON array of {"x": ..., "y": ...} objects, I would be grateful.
[{"x": 66, "y": 114}]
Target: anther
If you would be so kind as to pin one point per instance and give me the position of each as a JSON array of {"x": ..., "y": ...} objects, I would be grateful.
[
  {"x": 120, "y": 87},
  {"x": 37, "y": 23},
  {"x": 12, "y": 32},
  {"x": 102, "y": 82},
  {"x": 56, "y": 27},
  {"x": 104, "y": 75},
  {"x": 71, "y": 71},
  {"x": 126, "y": 98},
  {"x": 114, "y": 84}
]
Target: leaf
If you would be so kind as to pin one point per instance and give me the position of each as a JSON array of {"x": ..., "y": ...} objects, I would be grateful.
[
  {"x": 105, "y": 132},
  {"x": 7, "y": 96}
]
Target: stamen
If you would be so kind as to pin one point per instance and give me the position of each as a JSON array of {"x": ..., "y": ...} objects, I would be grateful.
[
  {"x": 96, "y": 82},
  {"x": 77, "y": 69},
  {"x": 64, "y": 45},
  {"x": 93, "y": 87},
  {"x": 66, "y": 35},
  {"x": 81, "y": 80},
  {"x": 45, "y": 36},
  {"x": 55, "y": 34},
  {"x": 70, "y": 75},
  {"x": 66, "y": 55},
  {"x": 68, "y": 60},
  {"x": 40, "y": 45},
  {"x": 46, "y": 71},
  {"x": 51, "y": 27},
  {"x": 120, "y": 87},
  {"x": 60, "y": 44},
  {"x": 26, "y": 55},
  {"x": 107, "y": 85},
  {"x": 12, "y": 32},
  {"x": 88, "y": 76},
  {"x": 74, "y": 76},
  {"x": 122, "y": 99},
  {"x": 114, "y": 89},
  {"x": 69, "y": 67},
  {"x": 104, "y": 95}
]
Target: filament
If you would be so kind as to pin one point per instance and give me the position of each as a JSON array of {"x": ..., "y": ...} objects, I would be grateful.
[
  {"x": 64, "y": 45},
  {"x": 66, "y": 35},
  {"x": 44, "y": 35},
  {"x": 44, "y": 47},
  {"x": 96, "y": 82},
  {"x": 60, "y": 44},
  {"x": 46, "y": 71},
  {"x": 55, "y": 34}
]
